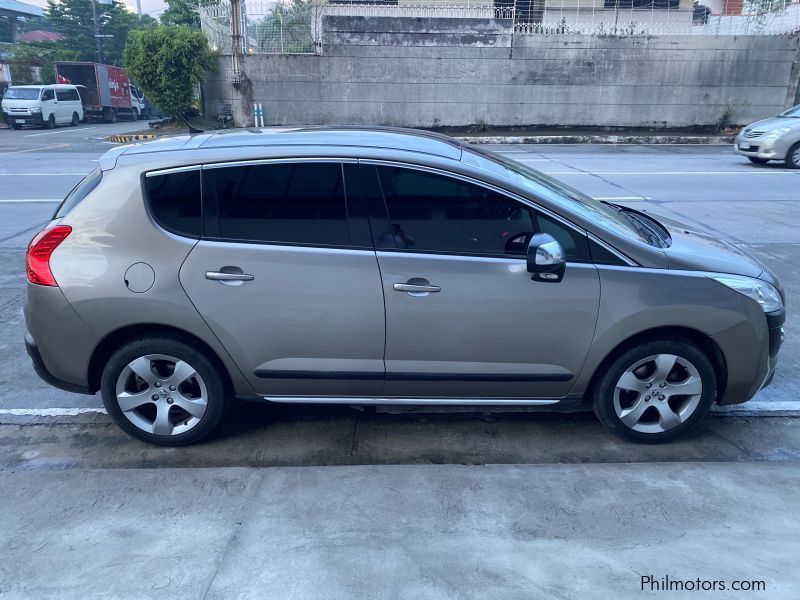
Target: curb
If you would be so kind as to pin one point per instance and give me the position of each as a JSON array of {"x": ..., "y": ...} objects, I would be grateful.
[
  {"x": 597, "y": 139},
  {"x": 131, "y": 137}
]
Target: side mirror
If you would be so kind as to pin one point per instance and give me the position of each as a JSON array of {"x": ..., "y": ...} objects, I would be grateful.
[{"x": 546, "y": 258}]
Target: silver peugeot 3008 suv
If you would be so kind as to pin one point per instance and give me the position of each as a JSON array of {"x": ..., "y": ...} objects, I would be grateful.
[{"x": 382, "y": 266}]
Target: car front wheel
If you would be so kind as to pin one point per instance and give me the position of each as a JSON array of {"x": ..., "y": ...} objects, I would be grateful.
[
  {"x": 793, "y": 157},
  {"x": 163, "y": 391},
  {"x": 656, "y": 390}
]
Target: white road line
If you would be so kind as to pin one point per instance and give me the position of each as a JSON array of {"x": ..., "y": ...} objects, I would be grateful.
[
  {"x": 41, "y": 174},
  {"x": 28, "y": 200},
  {"x": 671, "y": 173},
  {"x": 51, "y": 146},
  {"x": 51, "y": 412},
  {"x": 62, "y": 131},
  {"x": 763, "y": 406},
  {"x": 621, "y": 197}
]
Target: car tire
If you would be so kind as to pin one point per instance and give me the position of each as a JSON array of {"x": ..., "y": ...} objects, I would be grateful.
[
  {"x": 75, "y": 120},
  {"x": 793, "y": 157},
  {"x": 51, "y": 121},
  {"x": 16, "y": 126},
  {"x": 135, "y": 115},
  {"x": 758, "y": 161},
  {"x": 150, "y": 402},
  {"x": 625, "y": 401}
]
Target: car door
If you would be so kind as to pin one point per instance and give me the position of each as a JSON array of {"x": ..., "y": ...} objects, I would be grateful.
[
  {"x": 464, "y": 319},
  {"x": 49, "y": 105},
  {"x": 287, "y": 280}
]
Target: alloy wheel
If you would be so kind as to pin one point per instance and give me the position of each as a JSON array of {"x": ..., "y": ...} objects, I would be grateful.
[
  {"x": 658, "y": 393},
  {"x": 161, "y": 394},
  {"x": 795, "y": 157}
]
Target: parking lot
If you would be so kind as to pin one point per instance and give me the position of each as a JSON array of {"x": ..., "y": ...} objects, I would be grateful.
[{"x": 338, "y": 502}]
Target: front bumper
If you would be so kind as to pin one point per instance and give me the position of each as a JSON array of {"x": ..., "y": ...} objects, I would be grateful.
[
  {"x": 760, "y": 147},
  {"x": 47, "y": 376},
  {"x": 12, "y": 119}
]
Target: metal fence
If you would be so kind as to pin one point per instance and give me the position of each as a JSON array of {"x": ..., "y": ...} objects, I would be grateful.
[{"x": 296, "y": 26}]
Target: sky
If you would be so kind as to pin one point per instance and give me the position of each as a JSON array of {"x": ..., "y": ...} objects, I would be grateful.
[{"x": 151, "y": 7}]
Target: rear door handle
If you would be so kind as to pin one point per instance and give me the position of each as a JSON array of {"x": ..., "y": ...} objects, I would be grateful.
[{"x": 222, "y": 276}]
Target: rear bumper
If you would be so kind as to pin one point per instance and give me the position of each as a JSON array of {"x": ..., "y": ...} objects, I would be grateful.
[
  {"x": 47, "y": 376},
  {"x": 58, "y": 341}
]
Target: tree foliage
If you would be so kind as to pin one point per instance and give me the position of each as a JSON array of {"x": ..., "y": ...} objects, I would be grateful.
[
  {"x": 181, "y": 12},
  {"x": 167, "y": 62},
  {"x": 23, "y": 57},
  {"x": 73, "y": 19}
]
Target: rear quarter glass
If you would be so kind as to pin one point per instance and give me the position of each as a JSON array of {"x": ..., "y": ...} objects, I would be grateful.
[{"x": 79, "y": 192}]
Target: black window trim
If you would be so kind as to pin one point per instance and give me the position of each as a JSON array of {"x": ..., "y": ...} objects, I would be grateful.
[
  {"x": 499, "y": 190},
  {"x": 373, "y": 248}
]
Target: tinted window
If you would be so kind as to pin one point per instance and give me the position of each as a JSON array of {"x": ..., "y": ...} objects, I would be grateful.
[
  {"x": 67, "y": 95},
  {"x": 435, "y": 213},
  {"x": 79, "y": 192},
  {"x": 299, "y": 203},
  {"x": 174, "y": 200},
  {"x": 48, "y": 95}
]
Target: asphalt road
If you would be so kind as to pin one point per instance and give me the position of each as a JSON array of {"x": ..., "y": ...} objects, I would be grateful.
[{"x": 757, "y": 206}]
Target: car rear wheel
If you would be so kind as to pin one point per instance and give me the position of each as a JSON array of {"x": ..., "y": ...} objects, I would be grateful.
[
  {"x": 758, "y": 161},
  {"x": 75, "y": 119},
  {"x": 16, "y": 126},
  {"x": 163, "y": 391},
  {"x": 656, "y": 390},
  {"x": 793, "y": 157}
]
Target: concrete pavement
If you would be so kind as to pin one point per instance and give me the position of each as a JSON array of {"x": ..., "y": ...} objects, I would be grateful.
[{"x": 502, "y": 532}]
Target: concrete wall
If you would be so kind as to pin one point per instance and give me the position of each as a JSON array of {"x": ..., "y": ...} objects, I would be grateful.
[{"x": 458, "y": 72}]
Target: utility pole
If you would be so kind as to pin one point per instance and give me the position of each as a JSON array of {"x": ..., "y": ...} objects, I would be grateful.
[{"x": 97, "y": 39}]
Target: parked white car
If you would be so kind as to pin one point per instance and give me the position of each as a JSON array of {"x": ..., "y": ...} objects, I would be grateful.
[{"x": 43, "y": 105}]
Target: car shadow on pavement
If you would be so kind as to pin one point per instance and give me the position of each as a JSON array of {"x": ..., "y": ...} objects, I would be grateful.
[{"x": 257, "y": 435}]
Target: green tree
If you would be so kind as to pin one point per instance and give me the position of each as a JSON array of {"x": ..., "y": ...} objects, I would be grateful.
[
  {"x": 181, "y": 12},
  {"x": 22, "y": 57},
  {"x": 167, "y": 62},
  {"x": 73, "y": 19}
]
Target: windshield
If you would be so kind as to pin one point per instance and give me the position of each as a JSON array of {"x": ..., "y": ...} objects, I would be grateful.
[
  {"x": 13, "y": 93},
  {"x": 792, "y": 112},
  {"x": 546, "y": 187}
]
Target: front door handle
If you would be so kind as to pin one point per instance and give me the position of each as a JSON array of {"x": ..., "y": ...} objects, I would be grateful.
[{"x": 416, "y": 286}]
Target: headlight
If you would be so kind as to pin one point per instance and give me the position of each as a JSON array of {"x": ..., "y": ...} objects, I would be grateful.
[
  {"x": 756, "y": 289},
  {"x": 776, "y": 133},
  {"x": 36, "y": 109}
]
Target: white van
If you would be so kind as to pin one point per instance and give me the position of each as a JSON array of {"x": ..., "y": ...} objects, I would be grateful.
[{"x": 44, "y": 105}]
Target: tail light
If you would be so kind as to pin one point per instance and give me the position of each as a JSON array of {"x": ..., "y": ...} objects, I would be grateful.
[{"x": 37, "y": 258}]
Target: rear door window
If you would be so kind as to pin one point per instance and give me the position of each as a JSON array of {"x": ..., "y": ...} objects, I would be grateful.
[
  {"x": 175, "y": 202},
  {"x": 67, "y": 95},
  {"x": 291, "y": 203}
]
